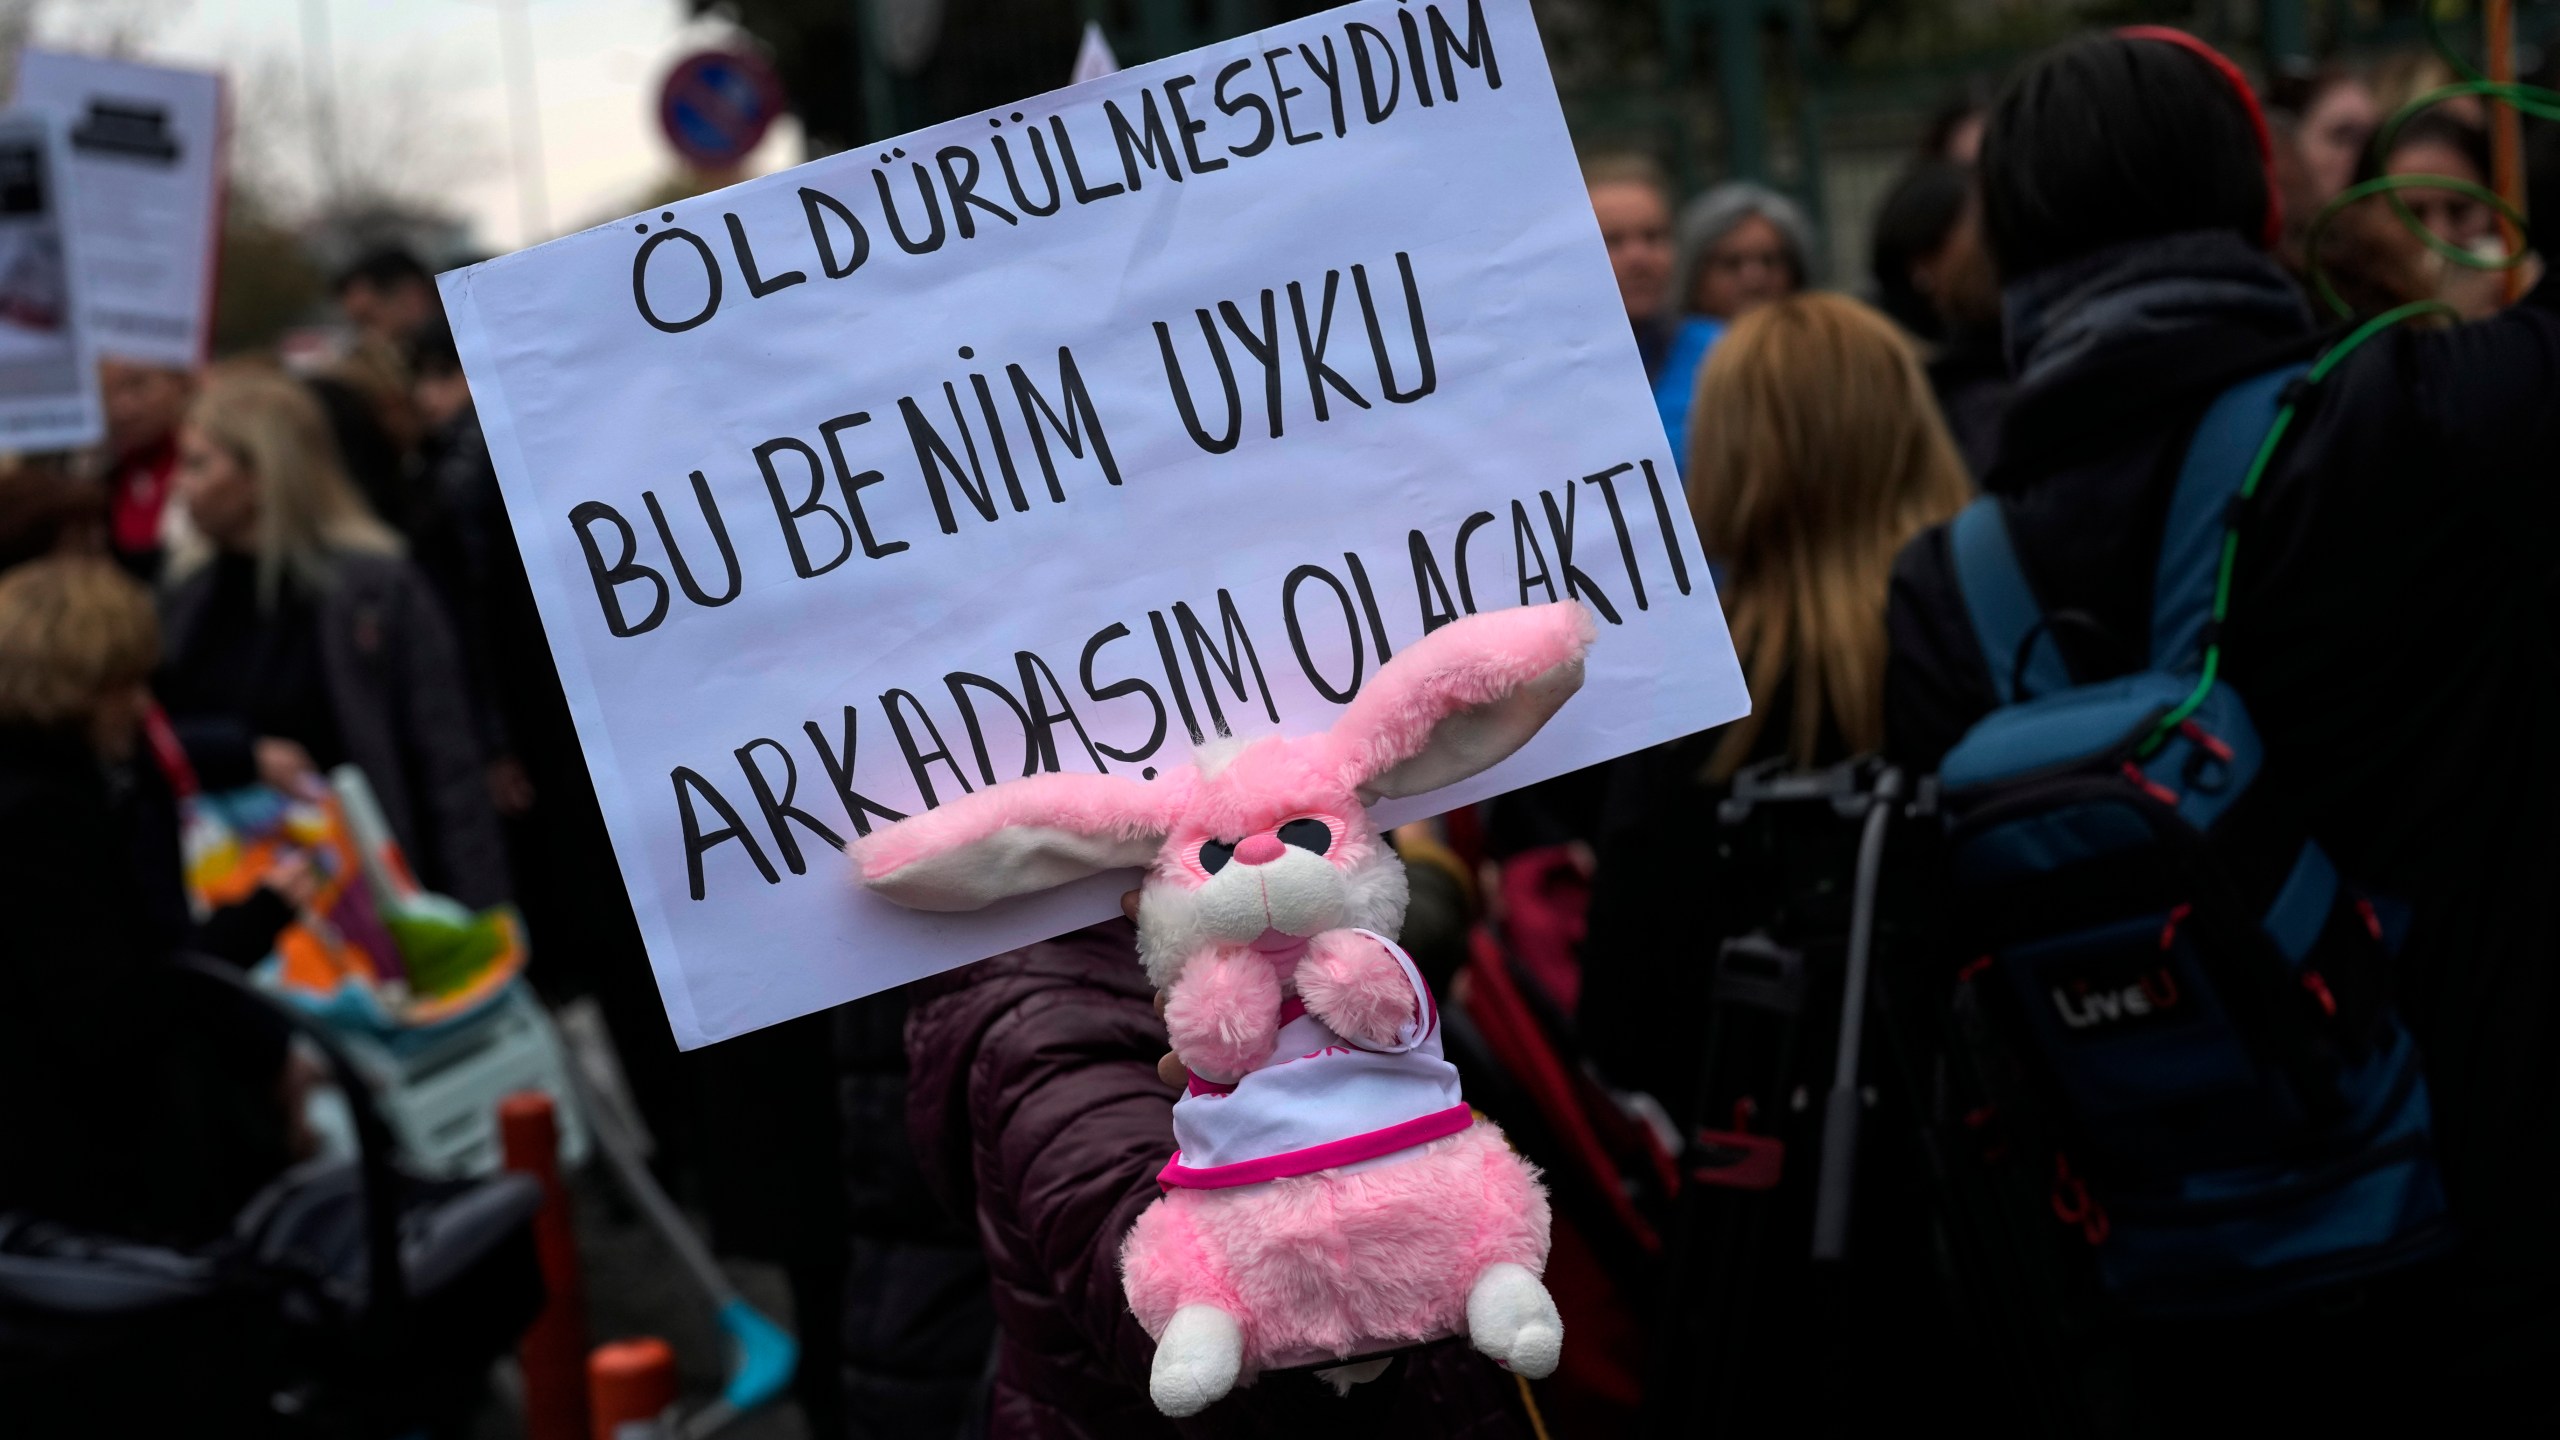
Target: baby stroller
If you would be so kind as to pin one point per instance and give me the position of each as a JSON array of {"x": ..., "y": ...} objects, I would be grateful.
[{"x": 349, "y": 1301}]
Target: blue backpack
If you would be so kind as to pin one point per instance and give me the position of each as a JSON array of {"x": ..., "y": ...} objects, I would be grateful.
[{"x": 2173, "y": 989}]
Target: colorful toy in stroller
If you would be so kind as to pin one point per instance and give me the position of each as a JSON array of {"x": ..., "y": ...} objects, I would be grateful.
[{"x": 374, "y": 950}]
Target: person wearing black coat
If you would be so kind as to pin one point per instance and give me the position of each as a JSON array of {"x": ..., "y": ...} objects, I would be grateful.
[
  {"x": 298, "y": 638},
  {"x": 134, "y": 1100},
  {"x": 1819, "y": 451},
  {"x": 917, "y": 1326},
  {"x": 1038, "y": 1115},
  {"x": 2391, "y": 629}
]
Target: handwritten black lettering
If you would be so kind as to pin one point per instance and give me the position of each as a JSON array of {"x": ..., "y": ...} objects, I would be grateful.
[
  {"x": 838, "y": 763},
  {"x": 719, "y": 537},
  {"x": 779, "y": 813},
  {"x": 611, "y": 576},
  {"x": 698, "y": 842}
]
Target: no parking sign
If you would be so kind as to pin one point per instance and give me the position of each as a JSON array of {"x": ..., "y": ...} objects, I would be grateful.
[{"x": 717, "y": 104}]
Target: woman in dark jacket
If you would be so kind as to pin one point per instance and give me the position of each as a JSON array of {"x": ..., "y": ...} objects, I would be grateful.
[
  {"x": 1818, "y": 453},
  {"x": 134, "y": 1100},
  {"x": 298, "y": 639},
  {"x": 2391, "y": 628},
  {"x": 1035, "y": 1105}
]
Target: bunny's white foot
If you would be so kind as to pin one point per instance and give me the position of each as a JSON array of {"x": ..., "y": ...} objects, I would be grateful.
[
  {"x": 1199, "y": 1353},
  {"x": 1511, "y": 1318}
]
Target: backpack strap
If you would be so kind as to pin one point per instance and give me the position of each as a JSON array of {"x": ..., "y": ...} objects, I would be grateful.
[
  {"x": 2225, "y": 445},
  {"x": 2006, "y": 617}
]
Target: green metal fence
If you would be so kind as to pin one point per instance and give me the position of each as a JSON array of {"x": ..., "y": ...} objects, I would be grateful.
[{"x": 1825, "y": 99}]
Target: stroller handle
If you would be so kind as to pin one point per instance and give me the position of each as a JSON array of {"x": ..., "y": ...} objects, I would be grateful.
[{"x": 387, "y": 1283}]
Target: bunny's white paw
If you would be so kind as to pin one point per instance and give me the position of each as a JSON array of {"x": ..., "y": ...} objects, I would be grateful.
[
  {"x": 1198, "y": 1355},
  {"x": 1512, "y": 1319}
]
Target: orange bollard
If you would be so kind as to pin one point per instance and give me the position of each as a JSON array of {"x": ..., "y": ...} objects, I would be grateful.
[
  {"x": 2506, "y": 131},
  {"x": 553, "y": 1352},
  {"x": 631, "y": 1390}
]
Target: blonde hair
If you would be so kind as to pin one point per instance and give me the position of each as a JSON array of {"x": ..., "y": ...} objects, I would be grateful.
[
  {"x": 72, "y": 629},
  {"x": 308, "y": 511},
  {"x": 1815, "y": 451}
]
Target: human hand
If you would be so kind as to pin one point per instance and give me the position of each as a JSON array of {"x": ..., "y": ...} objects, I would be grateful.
[
  {"x": 295, "y": 878},
  {"x": 2474, "y": 294},
  {"x": 510, "y": 788},
  {"x": 1586, "y": 860},
  {"x": 285, "y": 765},
  {"x": 300, "y": 1076}
]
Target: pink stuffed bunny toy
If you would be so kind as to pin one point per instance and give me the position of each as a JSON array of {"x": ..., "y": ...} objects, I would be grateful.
[{"x": 1332, "y": 1196}]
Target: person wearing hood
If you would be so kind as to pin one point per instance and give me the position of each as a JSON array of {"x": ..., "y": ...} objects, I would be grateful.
[
  {"x": 2390, "y": 624},
  {"x": 1040, "y": 1118},
  {"x": 140, "y": 1103},
  {"x": 1742, "y": 245}
]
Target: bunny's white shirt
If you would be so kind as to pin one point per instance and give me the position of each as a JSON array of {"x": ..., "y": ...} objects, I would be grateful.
[{"x": 1324, "y": 1100}]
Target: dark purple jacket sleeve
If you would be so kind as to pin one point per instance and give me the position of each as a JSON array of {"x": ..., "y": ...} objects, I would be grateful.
[{"x": 1072, "y": 1125}]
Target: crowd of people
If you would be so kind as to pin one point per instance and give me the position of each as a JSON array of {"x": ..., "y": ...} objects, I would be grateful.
[
  {"x": 212, "y": 602},
  {"x": 266, "y": 574},
  {"x": 2149, "y": 227},
  {"x": 261, "y": 576}
]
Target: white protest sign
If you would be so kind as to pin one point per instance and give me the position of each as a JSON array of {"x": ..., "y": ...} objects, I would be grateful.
[
  {"x": 48, "y": 376},
  {"x": 1064, "y": 436},
  {"x": 147, "y": 144}
]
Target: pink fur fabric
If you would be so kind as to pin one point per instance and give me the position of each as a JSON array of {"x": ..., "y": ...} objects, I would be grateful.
[
  {"x": 1480, "y": 660},
  {"x": 1342, "y": 1262},
  {"x": 1352, "y": 984},
  {"x": 1335, "y": 1264},
  {"x": 1224, "y": 1014},
  {"x": 1475, "y": 663},
  {"x": 1260, "y": 782},
  {"x": 1098, "y": 805}
]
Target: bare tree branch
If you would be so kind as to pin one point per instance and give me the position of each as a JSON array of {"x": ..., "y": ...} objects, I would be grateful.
[{"x": 401, "y": 143}]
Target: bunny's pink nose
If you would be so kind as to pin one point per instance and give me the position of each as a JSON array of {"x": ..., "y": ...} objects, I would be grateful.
[{"x": 1259, "y": 849}]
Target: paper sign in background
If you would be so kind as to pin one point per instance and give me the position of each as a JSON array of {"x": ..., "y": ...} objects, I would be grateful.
[
  {"x": 48, "y": 373},
  {"x": 1414, "y": 297},
  {"x": 146, "y": 142}
]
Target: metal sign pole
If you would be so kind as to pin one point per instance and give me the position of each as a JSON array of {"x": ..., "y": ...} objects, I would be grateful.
[
  {"x": 879, "y": 100},
  {"x": 533, "y": 201}
]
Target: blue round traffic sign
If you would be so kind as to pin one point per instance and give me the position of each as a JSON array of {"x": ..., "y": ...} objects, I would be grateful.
[{"x": 717, "y": 104}]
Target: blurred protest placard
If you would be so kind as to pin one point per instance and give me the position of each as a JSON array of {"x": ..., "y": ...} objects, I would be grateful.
[
  {"x": 1068, "y": 436},
  {"x": 1093, "y": 56},
  {"x": 146, "y": 143},
  {"x": 48, "y": 376}
]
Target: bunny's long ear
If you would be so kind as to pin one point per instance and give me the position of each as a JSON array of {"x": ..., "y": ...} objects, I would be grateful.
[
  {"x": 1020, "y": 836},
  {"x": 1463, "y": 698}
]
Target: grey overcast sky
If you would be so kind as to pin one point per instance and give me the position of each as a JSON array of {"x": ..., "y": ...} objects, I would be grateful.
[{"x": 598, "y": 65}]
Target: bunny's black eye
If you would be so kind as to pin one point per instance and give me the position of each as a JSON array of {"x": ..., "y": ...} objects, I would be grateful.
[
  {"x": 1307, "y": 834},
  {"x": 1214, "y": 855}
]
